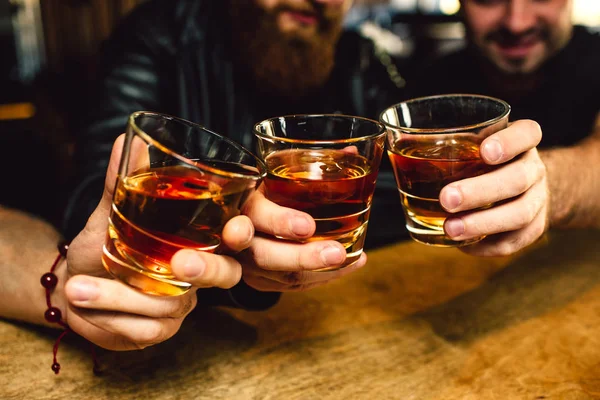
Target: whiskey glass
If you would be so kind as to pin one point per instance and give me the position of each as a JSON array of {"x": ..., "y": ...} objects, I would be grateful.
[
  {"x": 325, "y": 165},
  {"x": 433, "y": 141},
  {"x": 178, "y": 184}
]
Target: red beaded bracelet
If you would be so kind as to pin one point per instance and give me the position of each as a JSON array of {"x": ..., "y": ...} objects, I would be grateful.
[{"x": 49, "y": 281}]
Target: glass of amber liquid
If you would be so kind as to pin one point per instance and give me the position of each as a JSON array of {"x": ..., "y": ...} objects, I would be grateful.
[
  {"x": 177, "y": 186},
  {"x": 431, "y": 142},
  {"x": 325, "y": 165}
]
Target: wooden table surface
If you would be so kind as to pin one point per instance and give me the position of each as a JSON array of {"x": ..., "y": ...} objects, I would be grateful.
[{"x": 416, "y": 323}]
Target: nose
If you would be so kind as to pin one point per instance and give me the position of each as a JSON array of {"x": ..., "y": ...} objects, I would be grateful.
[{"x": 520, "y": 16}]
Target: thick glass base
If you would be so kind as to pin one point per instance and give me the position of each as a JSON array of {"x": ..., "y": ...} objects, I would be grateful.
[
  {"x": 143, "y": 280},
  {"x": 434, "y": 238}
]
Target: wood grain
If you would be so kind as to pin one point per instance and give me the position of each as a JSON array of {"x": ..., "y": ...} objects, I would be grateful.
[{"x": 415, "y": 323}]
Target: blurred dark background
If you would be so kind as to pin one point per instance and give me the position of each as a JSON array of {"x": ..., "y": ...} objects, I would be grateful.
[
  {"x": 47, "y": 63},
  {"x": 48, "y": 58}
]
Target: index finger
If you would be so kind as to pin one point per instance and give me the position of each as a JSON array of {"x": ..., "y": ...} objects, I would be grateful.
[
  {"x": 203, "y": 269},
  {"x": 275, "y": 220},
  {"x": 508, "y": 143}
]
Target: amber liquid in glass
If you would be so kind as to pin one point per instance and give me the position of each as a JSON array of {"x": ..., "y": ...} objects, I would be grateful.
[
  {"x": 422, "y": 168},
  {"x": 157, "y": 212},
  {"x": 334, "y": 186}
]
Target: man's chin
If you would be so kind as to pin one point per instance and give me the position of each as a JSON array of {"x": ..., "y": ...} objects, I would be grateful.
[
  {"x": 514, "y": 65},
  {"x": 518, "y": 62}
]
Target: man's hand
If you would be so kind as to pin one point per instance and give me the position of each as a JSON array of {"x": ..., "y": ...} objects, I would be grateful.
[
  {"x": 117, "y": 317},
  {"x": 518, "y": 189},
  {"x": 276, "y": 259}
]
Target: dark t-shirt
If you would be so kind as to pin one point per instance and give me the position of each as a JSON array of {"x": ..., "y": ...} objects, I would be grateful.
[{"x": 565, "y": 104}]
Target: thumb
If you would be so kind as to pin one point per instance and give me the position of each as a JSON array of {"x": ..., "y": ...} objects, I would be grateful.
[{"x": 85, "y": 251}]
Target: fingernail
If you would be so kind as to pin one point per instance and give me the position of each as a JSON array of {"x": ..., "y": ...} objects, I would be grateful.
[
  {"x": 452, "y": 198},
  {"x": 331, "y": 255},
  {"x": 249, "y": 236},
  {"x": 492, "y": 150},
  {"x": 193, "y": 266},
  {"x": 454, "y": 227},
  {"x": 85, "y": 290},
  {"x": 300, "y": 226}
]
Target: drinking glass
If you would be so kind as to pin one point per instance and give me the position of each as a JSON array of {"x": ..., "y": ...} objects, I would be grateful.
[
  {"x": 325, "y": 165},
  {"x": 433, "y": 141},
  {"x": 177, "y": 186}
]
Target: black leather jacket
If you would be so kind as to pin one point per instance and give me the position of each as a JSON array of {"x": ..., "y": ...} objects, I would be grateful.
[{"x": 173, "y": 57}]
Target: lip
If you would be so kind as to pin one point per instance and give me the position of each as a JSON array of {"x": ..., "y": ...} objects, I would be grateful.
[
  {"x": 517, "y": 50},
  {"x": 303, "y": 18}
]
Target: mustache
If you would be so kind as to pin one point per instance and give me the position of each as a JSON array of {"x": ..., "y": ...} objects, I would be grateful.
[
  {"x": 507, "y": 38},
  {"x": 324, "y": 14}
]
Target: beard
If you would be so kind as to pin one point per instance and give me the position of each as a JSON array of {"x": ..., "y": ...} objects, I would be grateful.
[
  {"x": 288, "y": 64},
  {"x": 519, "y": 66}
]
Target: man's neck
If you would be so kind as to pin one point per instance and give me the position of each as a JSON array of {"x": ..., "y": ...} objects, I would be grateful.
[{"x": 511, "y": 86}]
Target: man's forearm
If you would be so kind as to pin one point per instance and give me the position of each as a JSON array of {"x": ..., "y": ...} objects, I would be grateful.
[
  {"x": 574, "y": 183},
  {"x": 28, "y": 247}
]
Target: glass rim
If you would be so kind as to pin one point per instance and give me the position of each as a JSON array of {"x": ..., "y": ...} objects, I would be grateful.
[
  {"x": 262, "y": 169},
  {"x": 487, "y": 122},
  {"x": 380, "y": 125}
]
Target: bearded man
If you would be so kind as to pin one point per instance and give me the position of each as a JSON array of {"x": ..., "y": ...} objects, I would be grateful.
[
  {"x": 530, "y": 54},
  {"x": 228, "y": 64}
]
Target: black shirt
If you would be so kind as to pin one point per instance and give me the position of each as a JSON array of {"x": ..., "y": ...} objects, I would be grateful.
[{"x": 565, "y": 103}]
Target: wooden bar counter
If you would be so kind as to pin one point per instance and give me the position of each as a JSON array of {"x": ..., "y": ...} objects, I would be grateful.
[{"x": 416, "y": 323}]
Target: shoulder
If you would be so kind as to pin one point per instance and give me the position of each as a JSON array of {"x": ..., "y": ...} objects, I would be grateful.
[
  {"x": 586, "y": 34},
  {"x": 162, "y": 25},
  {"x": 352, "y": 46},
  {"x": 584, "y": 54},
  {"x": 585, "y": 43},
  {"x": 372, "y": 52}
]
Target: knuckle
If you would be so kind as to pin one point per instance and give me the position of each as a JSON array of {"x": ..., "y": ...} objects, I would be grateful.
[
  {"x": 293, "y": 278},
  {"x": 237, "y": 276},
  {"x": 535, "y": 128},
  {"x": 257, "y": 254},
  {"x": 183, "y": 306},
  {"x": 541, "y": 168},
  {"x": 515, "y": 243},
  {"x": 502, "y": 191},
  {"x": 504, "y": 248},
  {"x": 220, "y": 274},
  {"x": 303, "y": 287},
  {"x": 473, "y": 228},
  {"x": 533, "y": 205},
  {"x": 476, "y": 227},
  {"x": 111, "y": 319},
  {"x": 140, "y": 346},
  {"x": 223, "y": 273},
  {"x": 281, "y": 223},
  {"x": 535, "y": 168},
  {"x": 521, "y": 180},
  {"x": 152, "y": 334},
  {"x": 306, "y": 260},
  {"x": 529, "y": 212},
  {"x": 122, "y": 342}
]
